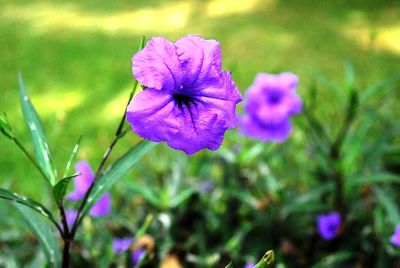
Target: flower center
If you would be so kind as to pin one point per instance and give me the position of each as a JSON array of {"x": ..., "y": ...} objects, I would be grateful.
[
  {"x": 183, "y": 100},
  {"x": 274, "y": 97}
]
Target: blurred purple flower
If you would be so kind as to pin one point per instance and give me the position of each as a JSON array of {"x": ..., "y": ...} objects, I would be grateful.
[
  {"x": 270, "y": 103},
  {"x": 329, "y": 225},
  {"x": 70, "y": 215},
  {"x": 189, "y": 101},
  {"x": 82, "y": 184},
  {"x": 395, "y": 238},
  {"x": 102, "y": 207},
  {"x": 137, "y": 255},
  {"x": 207, "y": 186},
  {"x": 249, "y": 265},
  {"x": 121, "y": 245}
]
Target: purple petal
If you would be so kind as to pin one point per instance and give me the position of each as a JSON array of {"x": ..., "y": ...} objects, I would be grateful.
[
  {"x": 137, "y": 255},
  {"x": 201, "y": 59},
  {"x": 201, "y": 126},
  {"x": 285, "y": 80},
  {"x": 395, "y": 238},
  {"x": 254, "y": 129},
  {"x": 71, "y": 215},
  {"x": 150, "y": 114},
  {"x": 249, "y": 265},
  {"x": 102, "y": 207},
  {"x": 329, "y": 225},
  {"x": 81, "y": 182},
  {"x": 121, "y": 245},
  {"x": 157, "y": 65}
]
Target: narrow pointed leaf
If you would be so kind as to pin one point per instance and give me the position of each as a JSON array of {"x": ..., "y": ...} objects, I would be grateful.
[
  {"x": 120, "y": 167},
  {"x": 386, "y": 200},
  {"x": 266, "y": 260},
  {"x": 40, "y": 144},
  {"x": 72, "y": 157},
  {"x": 143, "y": 229},
  {"x": 60, "y": 189},
  {"x": 229, "y": 265},
  {"x": 181, "y": 197},
  {"x": 43, "y": 232},
  {"x": 146, "y": 192},
  {"x": 14, "y": 197}
]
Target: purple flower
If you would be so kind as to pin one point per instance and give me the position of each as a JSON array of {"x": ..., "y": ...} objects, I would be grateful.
[
  {"x": 270, "y": 103},
  {"x": 102, "y": 207},
  {"x": 395, "y": 238},
  {"x": 189, "y": 101},
  {"x": 249, "y": 265},
  {"x": 70, "y": 215},
  {"x": 82, "y": 184},
  {"x": 121, "y": 245},
  {"x": 137, "y": 255},
  {"x": 329, "y": 225}
]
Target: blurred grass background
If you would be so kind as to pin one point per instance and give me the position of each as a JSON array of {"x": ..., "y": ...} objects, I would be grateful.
[{"x": 75, "y": 58}]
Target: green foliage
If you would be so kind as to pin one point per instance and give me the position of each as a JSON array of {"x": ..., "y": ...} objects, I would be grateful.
[
  {"x": 116, "y": 171},
  {"x": 44, "y": 233},
  {"x": 39, "y": 139}
]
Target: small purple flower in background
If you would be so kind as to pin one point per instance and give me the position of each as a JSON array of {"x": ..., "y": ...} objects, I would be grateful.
[
  {"x": 137, "y": 255},
  {"x": 82, "y": 184},
  {"x": 395, "y": 238},
  {"x": 121, "y": 245},
  {"x": 329, "y": 225},
  {"x": 249, "y": 265},
  {"x": 189, "y": 101},
  {"x": 70, "y": 215},
  {"x": 270, "y": 103},
  {"x": 207, "y": 186}
]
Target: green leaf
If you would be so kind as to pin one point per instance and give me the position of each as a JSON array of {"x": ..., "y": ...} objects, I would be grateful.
[
  {"x": 144, "y": 191},
  {"x": 72, "y": 157},
  {"x": 60, "y": 188},
  {"x": 333, "y": 260},
  {"x": 355, "y": 142},
  {"x": 266, "y": 260},
  {"x": 5, "y": 127},
  {"x": 350, "y": 77},
  {"x": 379, "y": 88},
  {"x": 11, "y": 196},
  {"x": 40, "y": 144},
  {"x": 229, "y": 265},
  {"x": 385, "y": 199},
  {"x": 144, "y": 227},
  {"x": 308, "y": 201},
  {"x": 181, "y": 197},
  {"x": 116, "y": 171},
  {"x": 43, "y": 232},
  {"x": 372, "y": 179}
]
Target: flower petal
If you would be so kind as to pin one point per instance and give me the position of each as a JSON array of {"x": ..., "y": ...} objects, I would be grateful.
[
  {"x": 222, "y": 96},
  {"x": 201, "y": 59},
  {"x": 102, "y": 207},
  {"x": 202, "y": 126},
  {"x": 81, "y": 182},
  {"x": 150, "y": 115},
  {"x": 277, "y": 133},
  {"x": 157, "y": 65}
]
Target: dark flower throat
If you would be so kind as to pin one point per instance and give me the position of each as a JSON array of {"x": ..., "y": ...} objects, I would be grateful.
[{"x": 183, "y": 100}]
